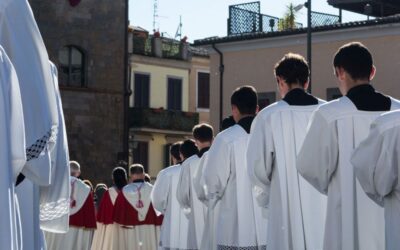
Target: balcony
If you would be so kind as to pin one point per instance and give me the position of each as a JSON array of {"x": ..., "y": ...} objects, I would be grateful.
[
  {"x": 159, "y": 47},
  {"x": 160, "y": 119}
]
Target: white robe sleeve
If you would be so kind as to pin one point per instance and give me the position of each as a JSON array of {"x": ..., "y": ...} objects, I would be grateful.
[
  {"x": 160, "y": 193},
  {"x": 183, "y": 190},
  {"x": 217, "y": 170},
  {"x": 21, "y": 39},
  {"x": 54, "y": 199},
  {"x": 317, "y": 159},
  {"x": 260, "y": 159},
  {"x": 375, "y": 164}
]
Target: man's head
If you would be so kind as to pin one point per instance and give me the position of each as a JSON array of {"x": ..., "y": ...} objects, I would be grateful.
[
  {"x": 203, "y": 135},
  {"x": 227, "y": 123},
  {"x": 175, "y": 152},
  {"x": 187, "y": 149},
  {"x": 136, "y": 172},
  {"x": 244, "y": 102},
  {"x": 353, "y": 65},
  {"x": 291, "y": 72},
  {"x": 119, "y": 177},
  {"x": 75, "y": 169}
]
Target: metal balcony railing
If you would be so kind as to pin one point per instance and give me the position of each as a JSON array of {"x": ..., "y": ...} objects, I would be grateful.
[{"x": 162, "y": 119}]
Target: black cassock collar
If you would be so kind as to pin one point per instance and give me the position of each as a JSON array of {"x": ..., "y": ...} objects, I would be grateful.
[
  {"x": 202, "y": 151},
  {"x": 246, "y": 122},
  {"x": 299, "y": 97},
  {"x": 366, "y": 98}
]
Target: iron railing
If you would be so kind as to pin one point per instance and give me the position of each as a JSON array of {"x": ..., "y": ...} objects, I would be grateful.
[
  {"x": 246, "y": 18},
  {"x": 162, "y": 119}
]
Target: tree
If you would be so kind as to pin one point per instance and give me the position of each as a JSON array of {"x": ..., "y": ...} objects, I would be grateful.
[{"x": 289, "y": 19}]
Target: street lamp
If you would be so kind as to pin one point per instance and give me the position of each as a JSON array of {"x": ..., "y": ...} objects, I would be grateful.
[{"x": 309, "y": 59}]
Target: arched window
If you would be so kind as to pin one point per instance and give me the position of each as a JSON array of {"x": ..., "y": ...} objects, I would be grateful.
[{"x": 72, "y": 66}]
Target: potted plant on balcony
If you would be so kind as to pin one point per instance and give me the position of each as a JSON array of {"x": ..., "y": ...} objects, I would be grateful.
[{"x": 158, "y": 110}]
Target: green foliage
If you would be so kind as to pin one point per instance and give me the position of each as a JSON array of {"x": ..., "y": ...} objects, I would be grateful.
[{"x": 289, "y": 19}]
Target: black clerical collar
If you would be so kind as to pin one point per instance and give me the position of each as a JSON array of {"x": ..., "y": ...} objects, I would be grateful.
[
  {"x": 202, "y": 151},
  {"x": 299, "y": 97},
  {"x": 246, "y": 122},
  {"x": 138, "y": 181},
  {"x": 365, "y": 98}
]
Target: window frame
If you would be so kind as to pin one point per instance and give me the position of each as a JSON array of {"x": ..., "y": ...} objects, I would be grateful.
[
  {"x": 167, "y": 91},
  {"x": 197, "y": 91},
  {"x": 133, "y": 87},
  {"x": 83, "y": 81}
]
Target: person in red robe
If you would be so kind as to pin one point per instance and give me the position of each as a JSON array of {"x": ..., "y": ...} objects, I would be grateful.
[
  {"x": 137, "y": 223},
  {"x": 82, "y": 219},
  {"x": 103, "y": 236}
]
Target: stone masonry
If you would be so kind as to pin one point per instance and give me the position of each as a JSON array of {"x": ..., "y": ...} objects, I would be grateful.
[{"x": 94, "y": 113}]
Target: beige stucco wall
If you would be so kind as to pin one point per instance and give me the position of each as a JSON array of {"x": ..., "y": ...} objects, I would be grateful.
[
  {"x": 156, "y": 154},
  {"x": 199, "y": 64},
  {"x": 158, "y": 83},
  {"x": 252, "y": 62}
]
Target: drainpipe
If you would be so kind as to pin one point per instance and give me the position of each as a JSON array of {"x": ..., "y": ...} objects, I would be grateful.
[
  {"x": 126, "y": 87},
  {"x": 221, "y": 82}
]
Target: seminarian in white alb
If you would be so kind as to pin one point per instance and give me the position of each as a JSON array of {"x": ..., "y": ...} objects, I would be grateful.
[
  {"x": 353, "y": 220},
  {"x": 296, "y": 209},
  {"x": 376, "y": 164}
]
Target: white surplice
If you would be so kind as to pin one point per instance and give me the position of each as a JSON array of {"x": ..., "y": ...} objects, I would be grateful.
[
  {"x": 296, "y": 210},
  {"x": 137, "y": 236},
  {"x": 54, "y": 199},
  {"x": 104, "y": 234},
  {"x": 191, "y": 205},
  {"x": 12, "y": 152},
  {"x": 76, "y": 237},
  {"x": 227, "y": 182},
  {"x": 21, "y": 39},
  {"x": 174, "y": 229},
  {"x": 376, "y": 164},
  {"x": 208, "y": 241},
  {"x": 353, "y": 220}
]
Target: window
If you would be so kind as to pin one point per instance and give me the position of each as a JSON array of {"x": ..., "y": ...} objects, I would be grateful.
[
  {"x": 72, "y": 66},
  {"x": 174, "y": 94},
  {"x": 203, "y": 90},
  {"x": 142, "y": 90},
  {"x": 141, "y": 154},
  {"x": 333, "y": 93},
  {"x": 265, "y": 99}
]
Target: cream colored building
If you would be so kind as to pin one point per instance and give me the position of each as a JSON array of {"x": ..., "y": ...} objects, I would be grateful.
[
  {"x": 250, "y": 59},
  {"x": 164, "y": 97}
]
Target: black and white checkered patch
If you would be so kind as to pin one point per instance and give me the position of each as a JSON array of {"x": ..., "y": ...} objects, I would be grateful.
[
  {"x": 35, "y": 149},
  {"x": 220, "y": 247}
]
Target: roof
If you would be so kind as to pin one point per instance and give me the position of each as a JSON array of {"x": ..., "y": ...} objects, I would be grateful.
[
  {"x": 262, "y": 35},
  {"x": 138, "y": 28}
]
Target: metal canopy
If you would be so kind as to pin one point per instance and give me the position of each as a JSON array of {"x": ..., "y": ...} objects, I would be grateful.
[{"x": 376, "y": 8}]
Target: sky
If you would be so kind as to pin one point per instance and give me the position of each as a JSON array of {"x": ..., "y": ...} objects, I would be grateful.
[{"x": 207, "y": 18}]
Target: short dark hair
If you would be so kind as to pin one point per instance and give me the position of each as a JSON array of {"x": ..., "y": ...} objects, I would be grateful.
[
  {"x": 227, "y": 122},
  {"x": 175, "y": 150},
  {"x": 293, "y": 68},
  {"x": 203, "y": 132},
  {"x": 245, "y": 99},
  {"x": 355, "y": 59},
  {"x": 119, "y": 177},
  {"x": 136, "y": 169},
  {"x": 188, "y": 148}
]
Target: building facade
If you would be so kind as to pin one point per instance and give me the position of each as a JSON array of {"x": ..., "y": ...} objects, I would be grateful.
[
  {"x": 86, "y": 40},
  {"x": 250, "y": 59},
  {"x": 165, "y": 79}
]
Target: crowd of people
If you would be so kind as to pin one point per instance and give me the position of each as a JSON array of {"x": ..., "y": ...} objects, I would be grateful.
[{"x": 300, "y": 174}]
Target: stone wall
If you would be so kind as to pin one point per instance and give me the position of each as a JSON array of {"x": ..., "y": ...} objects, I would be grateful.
[{"x": 94, "y": 114}]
